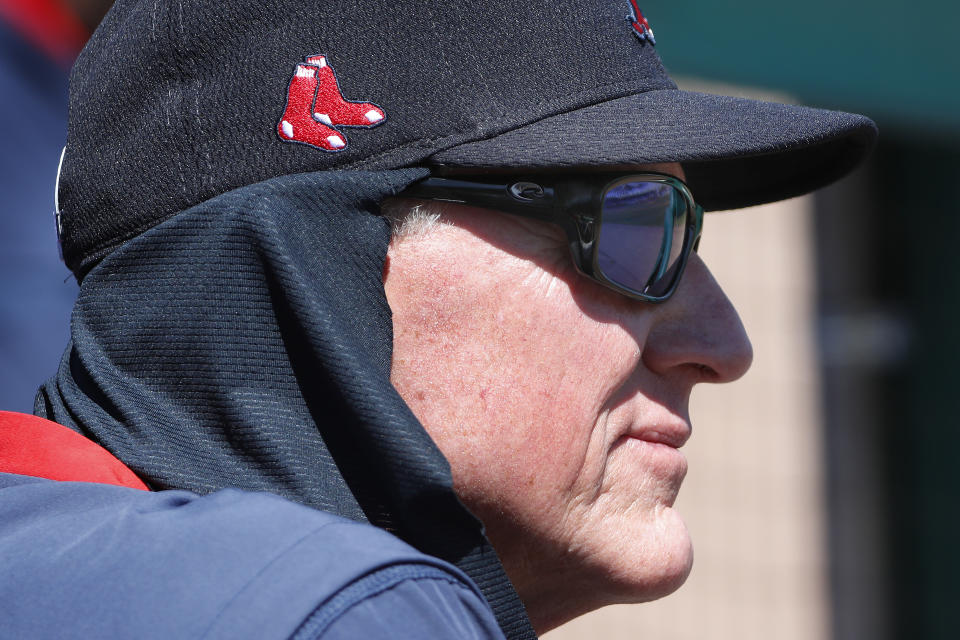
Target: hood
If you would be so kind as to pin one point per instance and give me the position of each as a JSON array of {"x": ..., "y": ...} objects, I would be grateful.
[{"x": 246, "y": 342}]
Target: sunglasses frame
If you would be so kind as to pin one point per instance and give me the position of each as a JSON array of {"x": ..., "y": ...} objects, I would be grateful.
[{"x": 575, "y": 204}]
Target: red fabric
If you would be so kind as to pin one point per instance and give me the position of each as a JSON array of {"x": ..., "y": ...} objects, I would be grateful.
[
  {"x": 49, "y": 25},
  {"x": 32, "y": 446}
]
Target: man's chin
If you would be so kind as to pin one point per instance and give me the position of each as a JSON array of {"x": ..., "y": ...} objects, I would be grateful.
[{"x": 661, "y": 561}]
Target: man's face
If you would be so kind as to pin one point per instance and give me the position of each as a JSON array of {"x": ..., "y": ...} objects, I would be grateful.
[{"x": 560, "y": 404}]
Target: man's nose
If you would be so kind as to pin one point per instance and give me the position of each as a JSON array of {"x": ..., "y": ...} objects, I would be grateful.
[{"x": 699, "y": 330}]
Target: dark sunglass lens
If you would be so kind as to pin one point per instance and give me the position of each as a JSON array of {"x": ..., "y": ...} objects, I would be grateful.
[
  {"x": 633, "y": 249},
  {"x": 662, "y": 283}
]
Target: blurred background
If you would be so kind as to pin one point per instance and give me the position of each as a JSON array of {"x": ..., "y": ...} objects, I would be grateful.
[
  {"x": 821, "y": 495},
  {"x": 39, "y": 40}
]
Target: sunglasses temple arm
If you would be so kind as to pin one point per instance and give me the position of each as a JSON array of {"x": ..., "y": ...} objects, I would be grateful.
[{"x": 483, "y": 195}]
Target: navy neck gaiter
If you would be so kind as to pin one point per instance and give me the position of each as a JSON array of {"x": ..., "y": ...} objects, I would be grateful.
[{"x": 246, "y": 342}]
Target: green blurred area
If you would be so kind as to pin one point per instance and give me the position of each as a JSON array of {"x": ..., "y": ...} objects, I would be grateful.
[
  {"x": 885, "y": 250},
  {"x": 896, "y": 61}
]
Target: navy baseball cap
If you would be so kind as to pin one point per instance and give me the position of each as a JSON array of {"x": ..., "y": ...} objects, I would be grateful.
[{"x": 174, "y": 103}]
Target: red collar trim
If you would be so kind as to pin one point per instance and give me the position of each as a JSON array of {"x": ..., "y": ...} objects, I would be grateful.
[
  {"x": 49, "y": 25},
  {"x": 32, "y": 446}
]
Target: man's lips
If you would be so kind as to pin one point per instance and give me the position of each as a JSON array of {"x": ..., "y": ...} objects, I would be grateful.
[{"x": 672, "y": 435}]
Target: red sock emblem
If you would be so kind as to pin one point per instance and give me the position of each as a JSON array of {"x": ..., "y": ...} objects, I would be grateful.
[{"x": 316, "y": 109}]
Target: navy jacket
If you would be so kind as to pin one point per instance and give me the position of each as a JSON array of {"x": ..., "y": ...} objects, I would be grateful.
[{"x": 85, "y": 560}]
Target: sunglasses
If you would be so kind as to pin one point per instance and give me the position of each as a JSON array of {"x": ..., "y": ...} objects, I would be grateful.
[{"x": 631, "y": 233}]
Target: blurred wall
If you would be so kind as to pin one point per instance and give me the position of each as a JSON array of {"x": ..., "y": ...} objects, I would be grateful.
[
  {"x": 896, "y": 61},
  {"x": 39, "y": 39}
]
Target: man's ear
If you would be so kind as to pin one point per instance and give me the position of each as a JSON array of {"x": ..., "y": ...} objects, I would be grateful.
[{"x": 386, "y": 262}]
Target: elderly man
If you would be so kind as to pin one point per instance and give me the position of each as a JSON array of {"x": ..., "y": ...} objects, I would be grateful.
[
  {"x": 560, "y": 400},
  {"x": 429, "y": 271}
]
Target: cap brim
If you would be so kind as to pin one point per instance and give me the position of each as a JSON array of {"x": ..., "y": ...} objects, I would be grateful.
[{"x": 736, "y": 152}]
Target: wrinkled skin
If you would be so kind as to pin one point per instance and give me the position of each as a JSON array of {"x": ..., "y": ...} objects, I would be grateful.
[{"x": 560, "y": 404}]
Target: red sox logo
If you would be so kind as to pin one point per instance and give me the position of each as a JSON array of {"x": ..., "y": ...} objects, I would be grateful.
[
  {"x": 640, "y": 25},
  {"x": 316, "y": 109}
]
